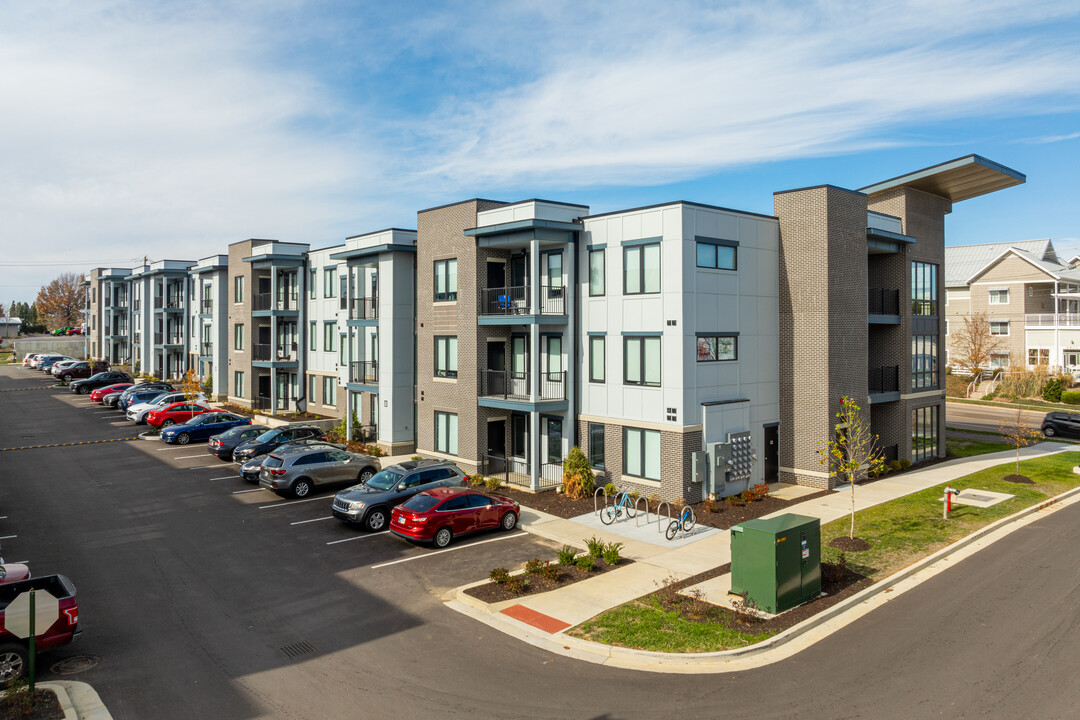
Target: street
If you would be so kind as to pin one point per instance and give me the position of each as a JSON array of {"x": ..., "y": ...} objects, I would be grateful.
[
  {"x": 987, "y": 418},
  {"x": 205, "y": 596}
]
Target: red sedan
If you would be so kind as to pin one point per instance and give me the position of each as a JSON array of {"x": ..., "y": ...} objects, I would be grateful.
[
  {"x": 179, "y": 412},
  {"x": 99, "y": 394},
  {"x": 438, "y": 516}
]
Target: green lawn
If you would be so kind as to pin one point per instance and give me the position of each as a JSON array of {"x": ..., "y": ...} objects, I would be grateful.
[
  {"x": 961, "y": 447},
  {"x": 900, "y": 532}
]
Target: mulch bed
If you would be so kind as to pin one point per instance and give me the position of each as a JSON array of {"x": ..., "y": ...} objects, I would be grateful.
[
  {"x": 849, "y": 544},
  {"x": 46, "y": 707},
  {"x": 568, "y": 575},
  {"x": 695, "y": 610},
  {"x": 1019, "y": 479}
]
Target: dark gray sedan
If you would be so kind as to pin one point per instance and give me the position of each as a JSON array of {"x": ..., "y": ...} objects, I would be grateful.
[
  {"x": 296, "y": 470},
  {"x": 370, "y": 503}
]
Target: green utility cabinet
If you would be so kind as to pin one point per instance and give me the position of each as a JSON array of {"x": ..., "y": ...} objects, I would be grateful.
[{"x": 776, "y": 562}]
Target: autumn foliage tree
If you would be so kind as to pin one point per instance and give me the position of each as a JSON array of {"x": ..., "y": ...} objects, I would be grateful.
[
  {"x": 854, "y": 452},
  {"x": 972, "y": 344},
  {"x": 60, "y": 303}
]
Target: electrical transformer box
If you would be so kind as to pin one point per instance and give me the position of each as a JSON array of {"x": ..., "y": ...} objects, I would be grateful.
[{"x": 776, "y": 562}]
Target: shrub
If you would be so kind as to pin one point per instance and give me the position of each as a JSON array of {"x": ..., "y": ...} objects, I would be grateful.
[
  {"x": 712, "y": 506},
  {"x": 566, "y": 555},
  {"x": 499, "y": 576},
  {"x": 1070, "y": 397},
  {"x": 517, "y": 584},
  {"x": 895, "y": 466},
  {"x": 416, "y": 457},
  {"x": 610, "y": 489},
  {"x": 956, "y": 385},
  {"x": 734, "y": 500},
  {"x": 493, "y": 484},
  {"x": 1052, "y": 390},
  {"x": 585, "y": 562},
  {"x": 611, "y": 553},
  {"x": 904, "y": 463},
  {"x": 760, "y": 491},
  {"x": 654, "y": 500},
  {"x": 577, "y": 475},
  {"x": 541, "y": 568},
  {"x": 595, "y": 546},
  {"x": 746, "y": 496},
  {"x": 476, "y": 480},
  {"x": 834, "y": 571}
]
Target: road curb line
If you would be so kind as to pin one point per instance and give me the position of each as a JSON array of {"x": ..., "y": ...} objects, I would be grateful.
[{"x": 774, "y": 649}]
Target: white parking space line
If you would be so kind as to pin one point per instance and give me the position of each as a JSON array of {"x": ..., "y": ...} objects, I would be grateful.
[
  {"x": 8, "y": 537},
  {"x": 227, "y": 477},
  {"x": 201, "y": 467},
  {"x": 358, "y": 537},
  {"x": 107, "y": 412},
  {"x": 294, "y": 502},
  {"x": 439, "y": 552},
  {"x": 239, "y": 492},
  {"x": 189, "y": 457},
  {"x": 173, "y": 447},
  {"x": 301, "y": 522}
]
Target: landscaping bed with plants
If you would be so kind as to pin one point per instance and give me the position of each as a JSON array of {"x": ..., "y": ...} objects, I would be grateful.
[
  {"x": 17, "y": 703},
  {"x": 542, "y": 575}
]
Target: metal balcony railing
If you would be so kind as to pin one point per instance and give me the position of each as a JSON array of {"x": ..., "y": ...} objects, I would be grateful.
[
  {"x": 288, "y": 300},
  {"x": 517, "y": 300},
  {"x": 364, "y": 308},
  {"x": 159, "y": 302},
  {"x": 511, "y": 385},
  {"x": 168, "y": 339},
  {"x": 266, "y": 352},
  {"x": 136, "y": 305},
  {"x": 207, "y": 307},
  {"x": 882, "y": 301},
  {"x": 364, "y": 372},
  {"x": 924, "y": 307},
  {"x": 262, "y": 301},
  {"x": 261, "y": 402},
  {"x": 884, "y": 379},
  {"x": 1052, "y": 320},
  {"x": 206, "y": 348}
]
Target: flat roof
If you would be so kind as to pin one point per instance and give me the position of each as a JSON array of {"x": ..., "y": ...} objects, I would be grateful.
[{"x": 960, "y": 179}]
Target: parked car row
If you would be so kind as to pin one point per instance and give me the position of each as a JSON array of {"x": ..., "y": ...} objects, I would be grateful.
[{"x": 63, "y": 367}]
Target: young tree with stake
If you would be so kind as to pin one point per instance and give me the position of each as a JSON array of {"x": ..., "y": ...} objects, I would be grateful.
[{"x": 853, "y": 452}]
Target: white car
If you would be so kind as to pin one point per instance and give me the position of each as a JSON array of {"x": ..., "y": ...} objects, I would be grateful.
[
  {"x": 28, "y": 358},
  {"x": 138, "y": 413},
  {"x": 58, "y": 368},
  {"x": 36, "y": 362}
]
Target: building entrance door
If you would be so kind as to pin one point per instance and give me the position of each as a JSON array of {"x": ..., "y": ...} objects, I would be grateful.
[{"x": 772, "y": 454}]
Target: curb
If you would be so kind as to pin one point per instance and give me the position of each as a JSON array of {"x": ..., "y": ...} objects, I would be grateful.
[
  {"x": 78, "y": 700},
  {"x": 763, "y": 653}
]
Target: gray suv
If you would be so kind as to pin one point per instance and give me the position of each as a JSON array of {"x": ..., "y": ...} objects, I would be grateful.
[
  {"x": 296, "y": 470},
  {"x": 370, "y": 503}
]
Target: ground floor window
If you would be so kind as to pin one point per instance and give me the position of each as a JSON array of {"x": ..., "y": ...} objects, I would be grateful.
[
  {"x": 1038, "y": 356},
  {"x": 641, "y": 453},
  {"x": 554, "y": 440},
  {"x": 999, "y": 360},
  {"x": 446, "y": 431},
  {"x": 596, "y": 445},
  {"x": 329, "y": 390},
  {"x": 238, "y": 382},
  {"x": 924, "y": 433}
]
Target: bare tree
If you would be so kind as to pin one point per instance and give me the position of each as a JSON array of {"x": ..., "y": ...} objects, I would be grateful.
[
  {"x": 853, "y": 452},
  {"x": 1018, "y": 435},
  {"x": 60, "y": 303},
  {"x": 972, "y": 344}
]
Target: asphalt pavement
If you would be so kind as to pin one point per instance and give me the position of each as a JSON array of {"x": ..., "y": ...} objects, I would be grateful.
[{"x": 203, "y": 596}]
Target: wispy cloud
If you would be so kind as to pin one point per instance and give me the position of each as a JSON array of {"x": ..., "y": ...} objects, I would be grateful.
[{"x": 1049, "y": 139}]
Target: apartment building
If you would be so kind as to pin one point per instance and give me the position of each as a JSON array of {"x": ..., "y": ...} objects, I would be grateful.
[
  {"x": 208, "y": 352},
  {"x": 1030, "y": 296},
  {"x": 108, "y": 316},
  {"x": 159, "y": 317}
]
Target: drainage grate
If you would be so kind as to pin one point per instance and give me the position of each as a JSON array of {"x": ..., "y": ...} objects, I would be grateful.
[
  {"x": 298, "y": 649},
  {"x": 101, "y": 483},
  {"x": 75, "y": 664}
]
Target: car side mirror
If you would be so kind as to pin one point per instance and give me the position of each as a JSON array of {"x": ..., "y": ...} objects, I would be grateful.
[{"x": 401, "y": 487}]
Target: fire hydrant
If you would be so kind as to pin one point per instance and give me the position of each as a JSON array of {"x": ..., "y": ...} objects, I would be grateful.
[{"x": 947, "y": 504}]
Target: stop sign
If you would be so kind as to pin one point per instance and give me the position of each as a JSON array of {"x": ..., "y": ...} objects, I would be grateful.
[{"x": 17, "y": 614}]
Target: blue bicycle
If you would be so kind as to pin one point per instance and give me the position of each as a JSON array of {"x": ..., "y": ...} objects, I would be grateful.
[
  {"x": 685, "y": 522},
  {"x": 623, "y": 503}
]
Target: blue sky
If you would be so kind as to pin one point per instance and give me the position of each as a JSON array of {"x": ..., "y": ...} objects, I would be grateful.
[{"x": 171, "y": 129}]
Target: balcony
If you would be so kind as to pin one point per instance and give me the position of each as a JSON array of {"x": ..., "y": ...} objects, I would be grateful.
[
  {"x": 516, "y": 471},
  {"x": 265, "y": 352},
  {"x": 882, "y": 301},
  {"x": 364, "y": 372},
  {"x": 168, "y": 339},
  {"x": 174, "y": 302},
  {"x": 136, "y": 305},
  {"x": 517, "y": 301},
  {"x": 207, "y": 307},
  {"x": 288, "y": 302},
  {"x": 1052, "y": 320},
  {"x": 205, "y": 349},
  {"x": 511, "y": 385},
  {"x": 885, "y": 383},
  {"x": 364, "y": 308}
]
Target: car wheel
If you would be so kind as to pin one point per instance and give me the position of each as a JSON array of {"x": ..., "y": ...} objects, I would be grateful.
[
  {"x": 167, "y": 422},
  {"x": 509, "y": 520},
  {"x": 84, "y": 390},
  {"x": 443, "y": 537},
  {"x": 365, "y": 475},
  {"x": 375, "y": 520},
  {"x": 183, "y": 438},
  {"x": 12, "y": 663},
  {"x": 66, "y": 378},
  {"x": 301, "y": 488},
  {"x": 1049, "y": 431}
]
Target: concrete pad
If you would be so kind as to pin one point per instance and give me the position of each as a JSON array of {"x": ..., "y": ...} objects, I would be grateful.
[
  {"x": 532, "y": 516},
  {"x": 980, "y": 498},
  {"x": 645, "y": 530},
  {"x": 578, "y": 602},
  {"x": 790, "y": 491}
]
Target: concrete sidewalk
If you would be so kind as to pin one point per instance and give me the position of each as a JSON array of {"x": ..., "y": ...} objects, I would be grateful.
[{"x": 655, "y": 561}]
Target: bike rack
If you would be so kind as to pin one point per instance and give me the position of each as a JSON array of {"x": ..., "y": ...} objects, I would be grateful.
[
  {"x": 693, "y": 521},
  {"x": 596, "y": 495},
  {"x": 637, "y": 520},
  {"x": 661, "y": 528}
]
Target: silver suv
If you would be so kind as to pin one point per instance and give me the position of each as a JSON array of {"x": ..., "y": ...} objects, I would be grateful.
[
  {"x": 370, "y": 503},
  {"x": 296, "y": 470}
]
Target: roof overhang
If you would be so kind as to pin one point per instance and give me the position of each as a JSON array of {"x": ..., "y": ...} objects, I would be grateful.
[
  {"x": 371, "y": 251},
  {"x": 1011, "y": 251},
  {"x": 956, "y": 180}
]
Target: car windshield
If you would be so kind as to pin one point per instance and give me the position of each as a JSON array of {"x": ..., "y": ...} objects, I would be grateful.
[
  {"x": 420, "y": 503},
  {"x": 99, "y": 376},
  {"x": 268, "y": 436},
  {"x": 384, "y": 480},
  {"x": 232, "y": 432}
]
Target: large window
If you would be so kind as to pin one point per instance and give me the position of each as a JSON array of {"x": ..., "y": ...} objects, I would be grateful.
[
  {"x": 328, "y": 275},
  {"x": 999, "y": 327},
  {"x": 596, "y": 445},
  {"x": 554, "y": 273},
  {"x": 238, "y": 288},
  {"x": 924, "y": 433},
  {"x": 238, "y": 336},
  {"x": 313, "y": 387},
  {"x": 1038, "y": 356},
  {"x": 329, "y": 336},
  {"x": 715, "y": 348},
  {"x": 312, "y": 279},
  {"x": 446, "y": 426},
  {"x": 999, "y": 296},
  {"x": 596, "y": 273},
  {"x": 641, "y": 269},
  {"x": 924, "y": 362},
  {"x": 446, "y": 357},
  {"x": 313, "y": 336},
  {"x": 329, "y": 390},
  {"x": 238, "y": 383},
  {"x": 716, "y": 254},
  {"x": 641, "y": 360},
  {"x": 923, "y": 289},
  {"x": 596, "y": 358},
  {"x": 445, "y": 280},
  {"x": 641, "y": 453}
]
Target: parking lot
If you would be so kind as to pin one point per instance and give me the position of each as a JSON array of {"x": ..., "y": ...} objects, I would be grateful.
[{"x": 198, "y": 587}]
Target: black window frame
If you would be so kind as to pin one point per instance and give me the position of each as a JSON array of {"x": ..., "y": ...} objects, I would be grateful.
[
  {"x": 640, "y": 248},
  {"x": 603, "y": 366},
  {"x": 451, "y": 295},
  {"x": 603, "y": 273},
  {"x": 734, "y": 337},
  {"x": 443, "y": 357},
  {"x": 699, "y": 241},
  {"x": 644, "y": 464},
  {"x": 627, "y": 339},
  {"x": 592, "y": 430}
]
